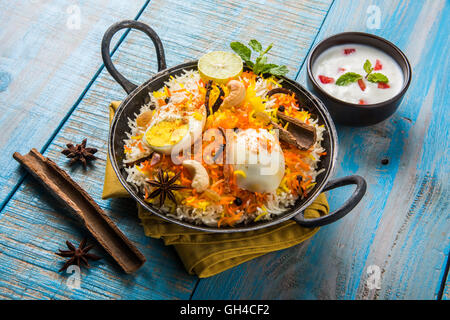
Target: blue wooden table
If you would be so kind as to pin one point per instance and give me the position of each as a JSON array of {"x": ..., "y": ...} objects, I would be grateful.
[{"x": 54, "y": 90}]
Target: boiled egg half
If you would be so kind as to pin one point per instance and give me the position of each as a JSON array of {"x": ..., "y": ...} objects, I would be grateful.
[
  {"x": 171, "y": 131},
  {"x": 258, "y": 160}
]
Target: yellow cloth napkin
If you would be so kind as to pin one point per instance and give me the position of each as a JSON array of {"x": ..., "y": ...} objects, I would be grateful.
[{"x": 206, "y": 254}]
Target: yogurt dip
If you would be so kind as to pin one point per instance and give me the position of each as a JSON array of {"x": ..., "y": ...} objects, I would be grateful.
[{"x": 350, "y": 58}]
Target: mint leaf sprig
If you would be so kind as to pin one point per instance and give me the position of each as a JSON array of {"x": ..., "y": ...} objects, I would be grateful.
[
  {"x": 350, "y": 77},
  {"x": 368, "y": 67},
  {"x": 377, "y": 77},
  {"x": 260, "y": 66},
  {"x": 374, "y": 77}
]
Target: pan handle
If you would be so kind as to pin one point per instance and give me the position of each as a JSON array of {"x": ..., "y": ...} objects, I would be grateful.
[
  {"x": 348, "y": 206},
  {"x": 106, "y": 42}
]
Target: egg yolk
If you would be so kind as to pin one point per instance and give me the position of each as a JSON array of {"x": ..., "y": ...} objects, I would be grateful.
[{"x": 167, "y": 132}]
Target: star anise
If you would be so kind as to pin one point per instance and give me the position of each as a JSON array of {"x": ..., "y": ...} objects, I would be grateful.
[
  {"x": 78, "y": 255},
  {"x": 79, "y": 153},
  {"x": 164, "y": 185}
]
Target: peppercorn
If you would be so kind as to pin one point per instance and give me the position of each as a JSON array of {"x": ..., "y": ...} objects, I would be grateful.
[
  {"x": 237, "y": 201},
  {"x": 166, "y": 100},
  {"x": 281, "y": 108}
]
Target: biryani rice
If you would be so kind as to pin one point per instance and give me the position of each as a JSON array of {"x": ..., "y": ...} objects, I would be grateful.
[{"x": 197, "y": 208}]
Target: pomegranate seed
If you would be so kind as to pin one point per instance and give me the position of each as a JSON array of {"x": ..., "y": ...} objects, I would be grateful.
[
  {"x": 362, "y": 85},
  {"x": 361, "y": 101},
  {"x": 378, "y": 65},
  {"x": 349, "y": 51},
  {"x": 326, "y": 80},
  {"x": 383, "y": 85},
  {"x": 341, "y": 69}
]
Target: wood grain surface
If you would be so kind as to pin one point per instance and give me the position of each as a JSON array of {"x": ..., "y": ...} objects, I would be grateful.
[
  {"x": 400, "y": 229},
  {"x": 46, "y": 61},
  {"x": 163, "y": 276}
]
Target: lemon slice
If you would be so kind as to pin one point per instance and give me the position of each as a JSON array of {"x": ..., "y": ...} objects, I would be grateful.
[{"x": 220, "y": 66}]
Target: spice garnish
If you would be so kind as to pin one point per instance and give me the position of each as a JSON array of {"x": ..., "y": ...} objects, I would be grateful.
[
  {"x": 219, "y": 100},
  {"x": 78, "y": 255},
  {"x": 299, "y": 134},
  {"x": 164, "y": 185},
  {"x": 237, "y": 201},
  {"x": 79, "y": 153},
  {"x": 208, "y": 88}
]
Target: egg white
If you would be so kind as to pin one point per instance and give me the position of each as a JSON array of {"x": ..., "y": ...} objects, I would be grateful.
[{"x": 257, "y": 169}]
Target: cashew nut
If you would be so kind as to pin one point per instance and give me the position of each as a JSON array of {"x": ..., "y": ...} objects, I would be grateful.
[
  {"x": 200, "y": 177},
  {"x": 144, "y": 118},
  {"x": 236, "y": 95},
  {"x": 262, "y": 116}
]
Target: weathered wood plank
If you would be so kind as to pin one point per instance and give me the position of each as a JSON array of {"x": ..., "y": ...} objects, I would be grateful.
[
  {"x": 31, "y": 227},
  {"x": 46, "y": 61},
  {"x": 401, "y": 227},
  {"x": 28, "y": 263}
]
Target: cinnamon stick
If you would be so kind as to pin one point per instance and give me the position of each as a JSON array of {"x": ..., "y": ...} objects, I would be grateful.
[
  {"x": 299, "y": 134},
  {"x": 80, "y": 203}
]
